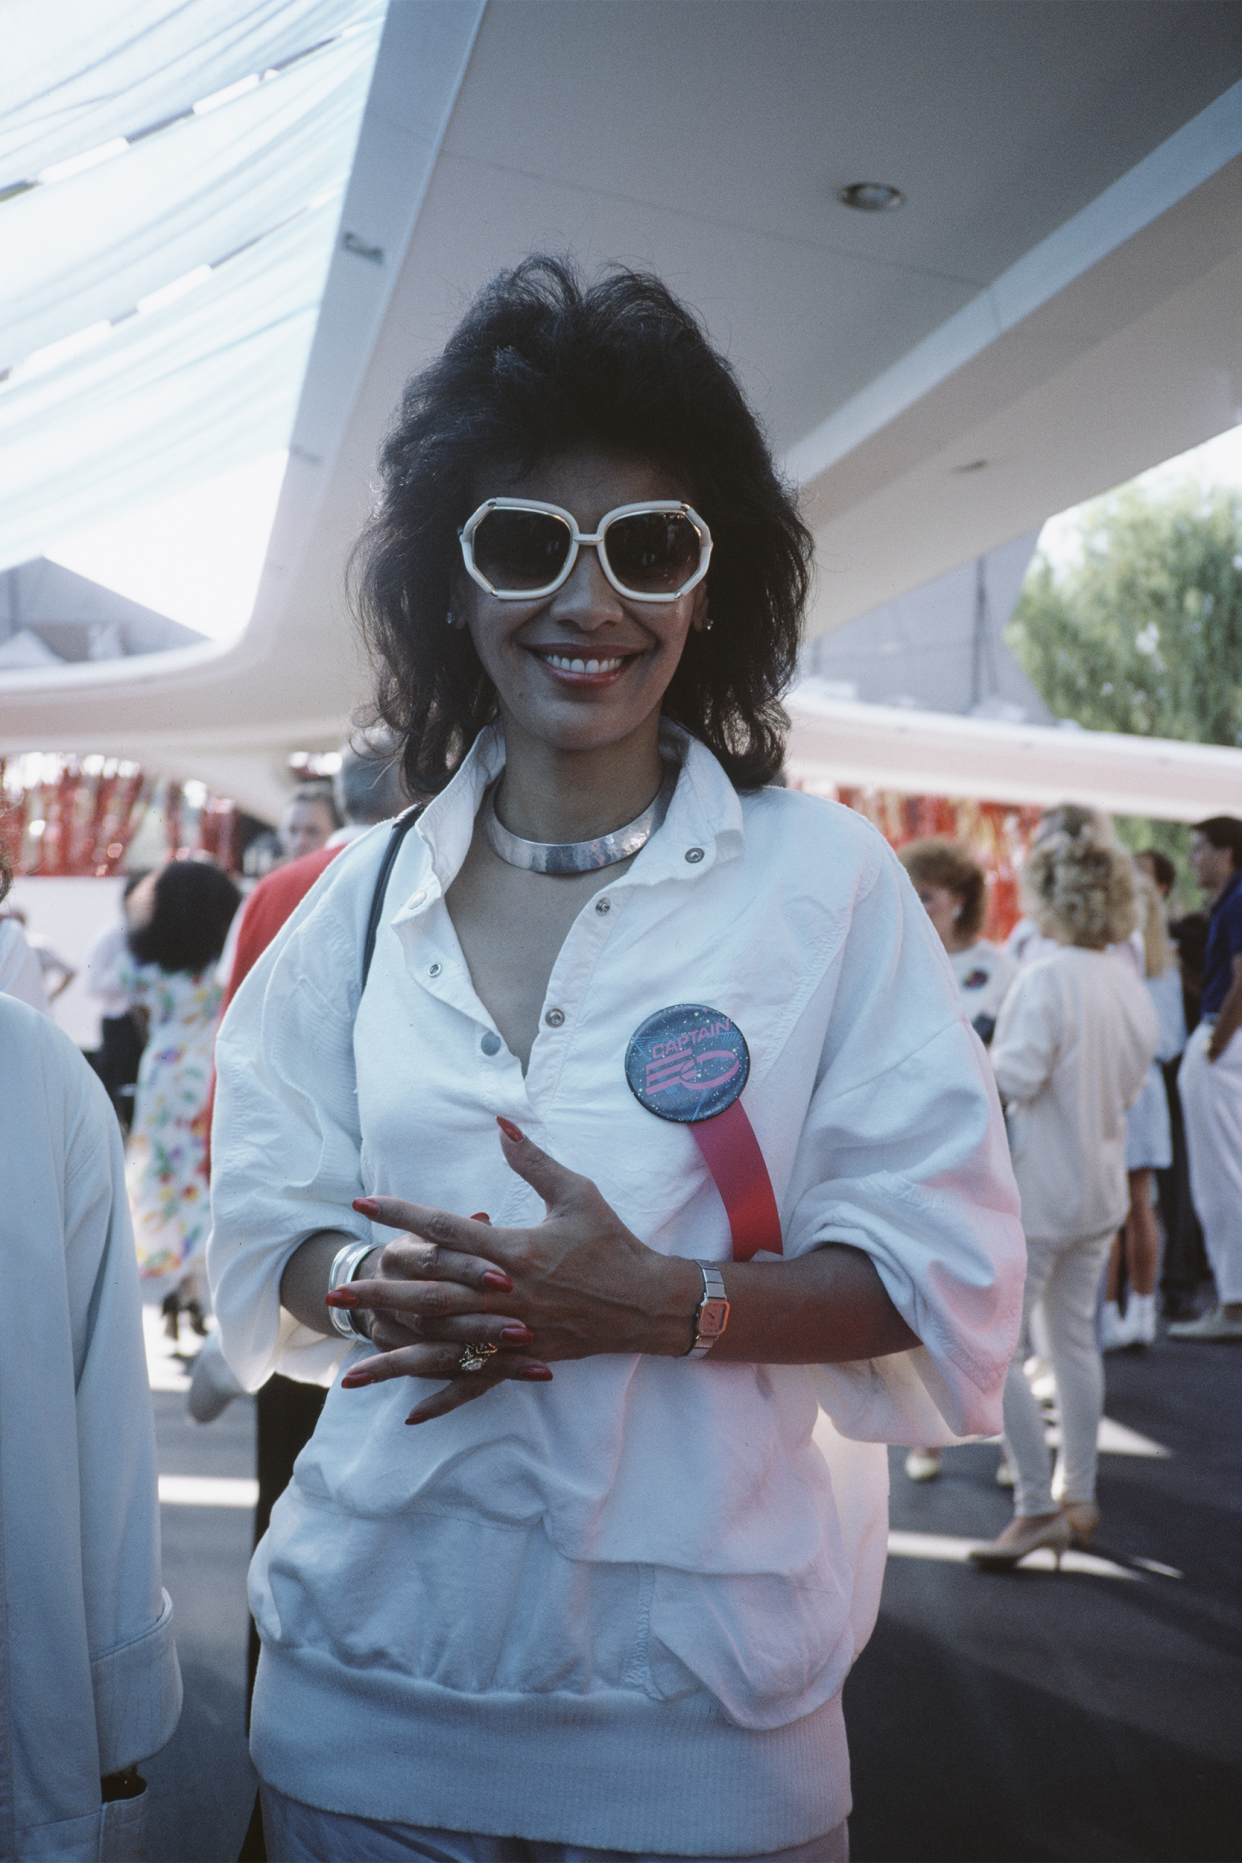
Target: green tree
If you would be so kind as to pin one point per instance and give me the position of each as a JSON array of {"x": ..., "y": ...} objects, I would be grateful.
[{"x": 1142, "y": 632}]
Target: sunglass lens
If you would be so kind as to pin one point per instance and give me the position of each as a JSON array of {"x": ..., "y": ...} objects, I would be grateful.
[
  {"x": 653, "y": 552},
  {"x": 521, "y": 549}
]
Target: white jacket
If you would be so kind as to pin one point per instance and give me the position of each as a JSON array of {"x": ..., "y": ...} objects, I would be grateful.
[
  {"x": 1073, "y": 1043},
  {"x": 88, "y": 1669},
  {"x": 651, "y": 1541}
]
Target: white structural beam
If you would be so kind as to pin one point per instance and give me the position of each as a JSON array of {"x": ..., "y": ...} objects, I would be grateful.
[
  {"x": 928, "y": 753},
  {"x": 1156, "y": 185},
  {"x": 1113, "y": 344}
]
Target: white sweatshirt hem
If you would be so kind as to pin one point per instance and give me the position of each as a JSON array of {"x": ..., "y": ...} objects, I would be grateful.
[{"x": 611, "y": 1769}]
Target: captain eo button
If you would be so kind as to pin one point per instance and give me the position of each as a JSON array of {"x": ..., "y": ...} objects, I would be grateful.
[{"x": 687, "y": 1062}]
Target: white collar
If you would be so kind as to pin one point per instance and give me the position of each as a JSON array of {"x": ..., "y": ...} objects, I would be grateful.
[{"x": 703, "y": 824}]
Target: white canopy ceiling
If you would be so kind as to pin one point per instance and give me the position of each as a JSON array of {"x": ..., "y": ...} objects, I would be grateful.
[
  {"x": 1055, "y": 308},
  {"x": 94, "y": 70},
  {"x": 158, "y": 305}
]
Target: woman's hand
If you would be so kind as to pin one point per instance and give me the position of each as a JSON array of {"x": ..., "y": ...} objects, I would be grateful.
[{"x": 578, "y": 1285}]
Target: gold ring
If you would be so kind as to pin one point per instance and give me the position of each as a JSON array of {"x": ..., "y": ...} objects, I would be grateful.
[{"x": 474, "y": 1357}]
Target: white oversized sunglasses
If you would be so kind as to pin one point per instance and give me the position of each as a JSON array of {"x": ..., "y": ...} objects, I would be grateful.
[{"x": 519, "y": 549}]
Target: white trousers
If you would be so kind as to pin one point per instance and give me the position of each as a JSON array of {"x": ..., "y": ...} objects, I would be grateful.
[
  {"x": 297, "y": 1833},
  {"x": 1212, "y": 1104},
  {"x": 1064, "y": 1277}
]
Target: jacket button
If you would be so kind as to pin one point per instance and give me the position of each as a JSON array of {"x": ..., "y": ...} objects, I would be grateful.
[
  {"x": 694, "y": 855},
  {"x": 433, "y": 970},
  {"x": 554, "y": 1018},
  {"x": 490, "y": 1043},
  {"x": 603, "y": 905}
]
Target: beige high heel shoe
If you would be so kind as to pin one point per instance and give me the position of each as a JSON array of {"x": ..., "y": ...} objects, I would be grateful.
[
  {"x": 1023, "y": 1537},
  {"x": 1083, "y": 1518}
]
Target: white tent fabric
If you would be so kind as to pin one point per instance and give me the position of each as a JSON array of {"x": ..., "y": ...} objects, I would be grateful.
[
  {"x": 168, "y": 401},
  {"x": 78, "y": 73},
  {"x": 143, "y": 400},
  {"x": 92, "y": 247}
]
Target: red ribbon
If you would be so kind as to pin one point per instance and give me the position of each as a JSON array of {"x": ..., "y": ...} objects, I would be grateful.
[{"x": 732, "y": 1155}]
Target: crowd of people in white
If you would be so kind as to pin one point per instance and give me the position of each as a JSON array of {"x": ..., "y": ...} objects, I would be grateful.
[{"x": 1083, "y": 1008}]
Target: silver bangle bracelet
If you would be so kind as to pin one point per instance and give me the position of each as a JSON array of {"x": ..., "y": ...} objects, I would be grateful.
[{"x": 345, "y": 1265}]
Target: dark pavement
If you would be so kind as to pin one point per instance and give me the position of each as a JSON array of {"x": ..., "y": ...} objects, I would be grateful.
[
  {"x": 202, "y": 1785},
  {"x": 1082, "y": 1715},
  {"x": 1043, "y": 1715}
]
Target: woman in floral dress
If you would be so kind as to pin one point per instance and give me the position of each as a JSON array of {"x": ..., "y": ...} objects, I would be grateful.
[{"x": 178, "y": 920}]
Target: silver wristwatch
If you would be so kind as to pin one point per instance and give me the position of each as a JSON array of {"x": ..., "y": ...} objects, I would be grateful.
[{"x": 713, "y": 1311}]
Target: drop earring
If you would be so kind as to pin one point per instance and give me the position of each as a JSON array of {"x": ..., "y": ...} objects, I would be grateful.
[
  {"x": 449, "y": 617},
  {"x": 708, "y": 624}
]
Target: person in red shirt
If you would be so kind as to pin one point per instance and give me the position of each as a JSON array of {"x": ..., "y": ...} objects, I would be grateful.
[
  {"x": 274, "y": 900},
  {"x": 368, "y": 789}
]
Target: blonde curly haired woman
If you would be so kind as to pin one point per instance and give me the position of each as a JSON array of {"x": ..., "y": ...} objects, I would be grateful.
[{"x": 1073, "y": 1043}]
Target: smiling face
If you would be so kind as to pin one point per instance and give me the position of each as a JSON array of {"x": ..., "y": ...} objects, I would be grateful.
[{"x": 585, "y": 667}]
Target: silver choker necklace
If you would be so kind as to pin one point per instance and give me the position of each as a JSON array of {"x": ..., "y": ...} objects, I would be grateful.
[{"x": 564, "y": 857}]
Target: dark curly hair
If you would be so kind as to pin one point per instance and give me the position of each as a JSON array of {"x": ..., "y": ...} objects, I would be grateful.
[
  {"x": 542, "y": 362},
  {"x": 194, "y": 905}
]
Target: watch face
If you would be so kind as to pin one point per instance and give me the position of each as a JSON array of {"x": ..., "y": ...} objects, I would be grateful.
[
  {"x": 712, "y": 1317},
  {"x": 687, "y": 1063}
]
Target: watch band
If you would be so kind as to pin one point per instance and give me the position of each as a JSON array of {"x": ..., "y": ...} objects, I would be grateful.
[
  {"x": 713, "y": 1311},
  {"x": 345, "y": 1265}
]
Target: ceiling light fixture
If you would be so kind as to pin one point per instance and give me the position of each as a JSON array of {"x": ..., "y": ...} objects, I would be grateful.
[{"x": 871, "y": 197}]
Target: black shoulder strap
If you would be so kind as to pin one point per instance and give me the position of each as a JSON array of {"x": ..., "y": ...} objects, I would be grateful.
[{"x": 400, "y": 828}]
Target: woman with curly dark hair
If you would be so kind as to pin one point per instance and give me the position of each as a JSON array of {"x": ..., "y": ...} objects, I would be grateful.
[{"x": 618, "y": 1112}]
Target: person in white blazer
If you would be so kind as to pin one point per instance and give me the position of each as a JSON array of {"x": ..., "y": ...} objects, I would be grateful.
[
  {"x": 89, "y": 1680},
  {"x": 1073, "y": 1043}
]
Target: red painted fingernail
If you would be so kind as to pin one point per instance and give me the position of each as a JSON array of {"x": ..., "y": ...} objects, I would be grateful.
[
  {"x": 416, "y": 1419},
  {"x": 366, "y": 1206},
  {"x": 353, "y": 1379},
  {"x": 341, "y": 1297},
  {"x": 517, "y": 1335},
  {"x": 495, "y": 1277},
  {"x": 536, "y": 1374},
  {"x": 509, "y": 1129},
  {"x": 480, "y": 1216}
]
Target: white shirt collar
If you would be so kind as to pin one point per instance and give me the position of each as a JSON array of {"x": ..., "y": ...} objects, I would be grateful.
[{"x": 703, "y": 824}]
